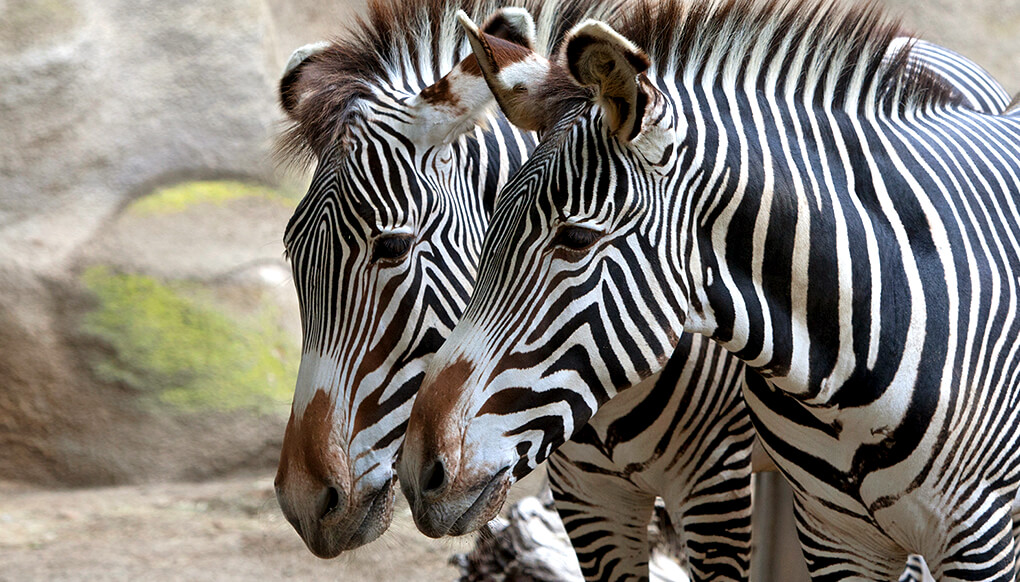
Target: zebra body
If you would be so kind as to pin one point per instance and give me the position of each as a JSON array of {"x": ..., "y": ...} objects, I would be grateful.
[
  {"x": 660, "y": 438},
  {"x": 839, "y": 222}
]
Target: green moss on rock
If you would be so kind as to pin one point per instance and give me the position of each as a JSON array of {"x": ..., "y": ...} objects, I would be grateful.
[
  {"x": 180, "y": 350},
  {"x": 180, "y": 197}
]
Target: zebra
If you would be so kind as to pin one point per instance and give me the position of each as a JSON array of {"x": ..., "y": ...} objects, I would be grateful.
[
  {"x": 299, "y": 447},
  {"x": 316, "y": 475},
  {"x": 734, "y": 181},
  {"x": 602, "y": 483}
]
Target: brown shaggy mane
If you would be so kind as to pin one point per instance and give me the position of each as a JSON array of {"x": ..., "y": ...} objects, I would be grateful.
[{"x": 847, "y": 41}]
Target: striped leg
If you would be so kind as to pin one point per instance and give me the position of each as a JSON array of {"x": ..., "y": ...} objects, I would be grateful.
[
  {"x": 716, "y": 525},
  {"x": 606, "y": 517},
  {"x": 983, "y": 549},
  {"x": 605, "y": 509},
  {"x": 833, "y": 553}
]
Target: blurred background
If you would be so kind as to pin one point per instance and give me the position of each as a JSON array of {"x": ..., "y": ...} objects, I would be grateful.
[{"x": 149, "y": 334}]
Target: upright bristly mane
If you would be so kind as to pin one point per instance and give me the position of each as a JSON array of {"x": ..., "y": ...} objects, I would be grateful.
[
  {"x": 400, "y": 43},
  {"x": 838, "y": 50}
]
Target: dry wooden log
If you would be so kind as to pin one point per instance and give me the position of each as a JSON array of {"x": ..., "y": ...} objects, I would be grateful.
[{"x": 530, "y": 545}]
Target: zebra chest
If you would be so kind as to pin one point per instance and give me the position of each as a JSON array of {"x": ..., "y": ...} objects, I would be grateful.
[
  {"x": 834, "y": 445},
  {"x": 666, "y": 434}
]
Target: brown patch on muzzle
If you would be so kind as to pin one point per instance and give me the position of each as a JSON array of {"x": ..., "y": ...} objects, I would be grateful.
[
  {"x": 435, "y": 406},
  {"x": 306, "y": 444}
]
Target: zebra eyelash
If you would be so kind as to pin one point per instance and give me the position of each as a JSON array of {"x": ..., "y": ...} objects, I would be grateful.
[
  {"x": 391, "y": 249},
  {"x": 574, "y": 237}
]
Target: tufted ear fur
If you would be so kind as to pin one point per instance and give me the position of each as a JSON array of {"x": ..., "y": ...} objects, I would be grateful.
[
  {"x": 453, "y": 105},
  {"x": 290, "y": 93},
  {"x": 510, "y": 24},
  {"x": 509, "y": 64},
  {"x": 597, "y": 56}
]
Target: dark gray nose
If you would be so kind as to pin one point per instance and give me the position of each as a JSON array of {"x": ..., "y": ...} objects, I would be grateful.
[
  {"x": 306, "y": 516},
  {"x": 433, "y": 478}
]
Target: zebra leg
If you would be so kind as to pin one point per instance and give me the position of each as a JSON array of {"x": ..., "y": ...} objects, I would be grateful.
[
  {"x": 606, "y": 517},
  {"x": 983, "y": 548},
  {"x": 833, "y": 552},
  {"x": 715, "y": 520},
  {"x": 916, "y": 571}
]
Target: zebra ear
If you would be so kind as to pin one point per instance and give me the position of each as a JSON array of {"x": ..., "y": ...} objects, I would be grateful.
[
  {"x": 449, "y": 107},
  {"x": 509, "y": 64},
  {"x": 455, "y": 103},
  {"x": 597, "y": 56},
  {"x": 290, "y": 89}
]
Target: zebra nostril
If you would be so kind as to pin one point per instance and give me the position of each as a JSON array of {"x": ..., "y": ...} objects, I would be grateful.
[
  {"x": 331, "y": 501},
  {"x": 433, "y": 478}
]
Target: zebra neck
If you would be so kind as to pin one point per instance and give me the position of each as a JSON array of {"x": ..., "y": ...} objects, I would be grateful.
[
  {"x": 805, "y": 219},
  {"x": 505, "y": 148}
]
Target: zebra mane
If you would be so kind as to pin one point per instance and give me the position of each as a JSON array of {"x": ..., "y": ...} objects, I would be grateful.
[
  {"x": 394, "y": 42},
  {"x": 839, "y": 50}
]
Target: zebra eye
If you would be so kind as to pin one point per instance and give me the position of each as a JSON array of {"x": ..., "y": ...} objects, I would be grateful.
[
  {"x": 391, "y": 247},
  {"x": 576, "y": 238}
]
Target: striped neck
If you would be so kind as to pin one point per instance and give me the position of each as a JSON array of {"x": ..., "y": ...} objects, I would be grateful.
[{"x": 796, "y": 242}]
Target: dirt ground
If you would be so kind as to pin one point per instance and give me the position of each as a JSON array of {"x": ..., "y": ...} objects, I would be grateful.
[{"x": 213, "y": 531}]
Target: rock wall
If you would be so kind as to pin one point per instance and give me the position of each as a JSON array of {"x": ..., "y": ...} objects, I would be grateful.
[
  {"x": 101, "y": 103},
  {"x": 167, "y": 350}
]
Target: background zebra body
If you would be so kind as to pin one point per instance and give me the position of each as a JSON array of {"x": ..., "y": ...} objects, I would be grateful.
[
  {"x": 890, "y": 405},
  {"x": 685, "y": 436}
]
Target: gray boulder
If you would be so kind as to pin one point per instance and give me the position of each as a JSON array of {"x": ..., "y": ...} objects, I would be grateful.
[{"x": 102, "y": 102}]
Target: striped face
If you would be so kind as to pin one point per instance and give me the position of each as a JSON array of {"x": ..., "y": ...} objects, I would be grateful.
[
  {"x": 384, "y": 248},
  {"x": 577, "y": 298}
]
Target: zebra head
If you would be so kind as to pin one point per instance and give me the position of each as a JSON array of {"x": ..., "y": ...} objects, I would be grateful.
[
  {"x": 384, "y": 248},
  {"x": 575, "y": 274}
]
